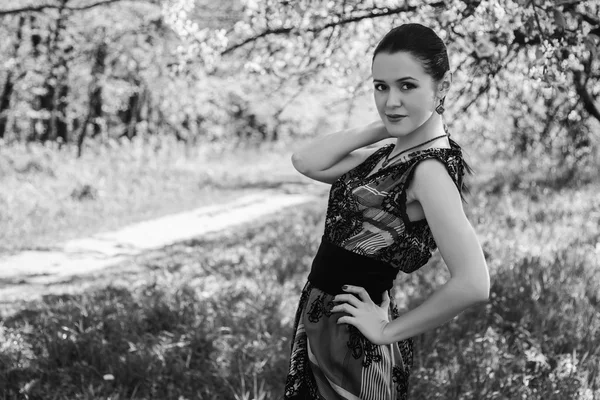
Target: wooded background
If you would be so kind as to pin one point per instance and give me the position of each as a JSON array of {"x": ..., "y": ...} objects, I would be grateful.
[
  {"x": 77, "y": 70},
  {"x": 113, "y": 112}
]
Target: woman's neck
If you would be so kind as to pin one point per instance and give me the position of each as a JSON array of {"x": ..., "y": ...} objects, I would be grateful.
[{"x": 433, "y": 127}]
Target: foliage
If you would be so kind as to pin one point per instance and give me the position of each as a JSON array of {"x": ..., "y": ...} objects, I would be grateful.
[
  {"x": 193, "y": 69},
  {"x": 212, "y": 318},
  {"x": 535, "y": 61},
  {"x": 111, "y": 69}
]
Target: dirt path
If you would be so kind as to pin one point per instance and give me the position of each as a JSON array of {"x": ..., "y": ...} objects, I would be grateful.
[{"x": 29, "y": 275}]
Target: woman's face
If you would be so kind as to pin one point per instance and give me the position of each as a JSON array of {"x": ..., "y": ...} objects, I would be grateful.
[{"x": 404, "y": 92}]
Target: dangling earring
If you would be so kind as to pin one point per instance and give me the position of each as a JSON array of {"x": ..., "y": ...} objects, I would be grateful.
[{"x": 440, "y": 109}]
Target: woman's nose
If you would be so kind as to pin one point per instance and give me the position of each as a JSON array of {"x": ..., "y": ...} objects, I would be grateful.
[{"x": 394, "y": 99}]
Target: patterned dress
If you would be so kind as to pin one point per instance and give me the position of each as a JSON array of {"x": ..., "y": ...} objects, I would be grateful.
[{"x": 366, "y": 214}]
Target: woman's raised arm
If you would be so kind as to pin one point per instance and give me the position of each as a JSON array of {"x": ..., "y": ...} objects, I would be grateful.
[{"x": 328, "y": 157}]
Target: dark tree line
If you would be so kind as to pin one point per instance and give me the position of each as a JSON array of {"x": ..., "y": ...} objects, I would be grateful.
[
  {"x": 92, "y": 70},
  {"x": 98, "y": 69}
]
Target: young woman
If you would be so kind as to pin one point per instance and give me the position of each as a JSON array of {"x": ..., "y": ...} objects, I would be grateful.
[{"x": 388, "y": 209}]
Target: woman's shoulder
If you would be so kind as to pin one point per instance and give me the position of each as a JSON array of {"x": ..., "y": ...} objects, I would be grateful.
[
  {"x": 449, "y": 156},
  {"x": 435, "y": 166}
]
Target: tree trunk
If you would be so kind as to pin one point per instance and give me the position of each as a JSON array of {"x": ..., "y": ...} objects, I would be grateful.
[
  {"x": 61, "y": 121},
  {"x": 131, "y": 116},
  {"x": 55, "y": 83},
  {"x": 82, "y": 134},
  {"x": 96, "y": 95},
  {"x": 94, "y": 103},
  {"x": 9, "y": 83},
  {"x": 5, "y": 103},
  {"x": 36, "y": 40}
]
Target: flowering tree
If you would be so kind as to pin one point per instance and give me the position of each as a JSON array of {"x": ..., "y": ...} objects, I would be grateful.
[
  {"x": 73, "y": 68},
  {"x": 535, "y": 61}
]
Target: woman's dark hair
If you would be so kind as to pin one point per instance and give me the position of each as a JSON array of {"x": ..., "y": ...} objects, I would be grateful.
[
  {"x": 422, "y": 43},
  {"x": 426, "y": 46}
]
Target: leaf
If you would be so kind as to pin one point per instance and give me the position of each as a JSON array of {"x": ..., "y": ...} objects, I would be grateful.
[
  {"x": 529, "y": 24},
  {"x": 559, "y": 20},
  {"x": 539, "y": 53},
  {"x": 590, "y": 43}
]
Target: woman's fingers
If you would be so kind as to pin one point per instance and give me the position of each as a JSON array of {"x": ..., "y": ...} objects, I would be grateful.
[
  {"x": 346, "y": 319},
  {"x": 345, "y": 307},
  {"x": 360, "y": 291},
  {"x": 348, "y": 298}
]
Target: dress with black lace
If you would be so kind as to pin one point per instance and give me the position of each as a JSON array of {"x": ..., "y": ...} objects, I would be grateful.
[{"x": 366, "y": 215}]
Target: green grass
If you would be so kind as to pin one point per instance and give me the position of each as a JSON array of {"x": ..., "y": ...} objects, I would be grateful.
[
  {"x": 50, "y": 196},
  {"x": 211, "y": 318}
]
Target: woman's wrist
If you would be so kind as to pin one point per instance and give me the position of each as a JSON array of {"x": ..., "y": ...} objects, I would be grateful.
[
  {"x": 366, "y": 135},
  {"x": 388, "y": 336}
]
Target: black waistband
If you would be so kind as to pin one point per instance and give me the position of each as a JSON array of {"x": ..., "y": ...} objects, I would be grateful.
[{"x": 334, "y": 266}]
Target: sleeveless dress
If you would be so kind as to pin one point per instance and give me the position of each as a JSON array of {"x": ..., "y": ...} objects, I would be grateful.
[{"x": 365, "y": 215}]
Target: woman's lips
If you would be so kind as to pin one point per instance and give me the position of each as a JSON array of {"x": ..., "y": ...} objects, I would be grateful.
[{"x": 395, "y": 117}]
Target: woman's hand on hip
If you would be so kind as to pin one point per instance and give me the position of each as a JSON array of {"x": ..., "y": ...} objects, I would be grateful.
[{"x": 363, "y": 313}]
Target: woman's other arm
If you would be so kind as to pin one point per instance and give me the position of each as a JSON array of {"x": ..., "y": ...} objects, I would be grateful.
[
  {"x": 457, "y": 242},
  {"x": 328, "y": 157}
]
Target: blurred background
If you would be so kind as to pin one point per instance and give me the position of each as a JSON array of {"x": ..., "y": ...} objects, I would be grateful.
[{"x": 119, "y": 111}]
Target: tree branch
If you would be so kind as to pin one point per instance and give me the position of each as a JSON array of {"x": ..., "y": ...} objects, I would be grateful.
[
  {"x": 490, "y": 76},
  {"x": 584, "y": 95},
  {"x": 589, "y": 19},
  {"x": 375, "y": 13},
  {"x": 537, "y": 21},
  {"x": 56, "y": 6}
]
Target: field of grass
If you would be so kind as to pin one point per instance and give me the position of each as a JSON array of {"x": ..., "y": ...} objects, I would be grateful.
[
  {"x": 50, "y": 196},
  {"x": 211, "y": 318}
]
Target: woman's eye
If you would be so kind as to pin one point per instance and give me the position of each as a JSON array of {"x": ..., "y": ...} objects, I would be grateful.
[
  {"x": 407, "y": 86},
  {"x": 379, "y": 86}
]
